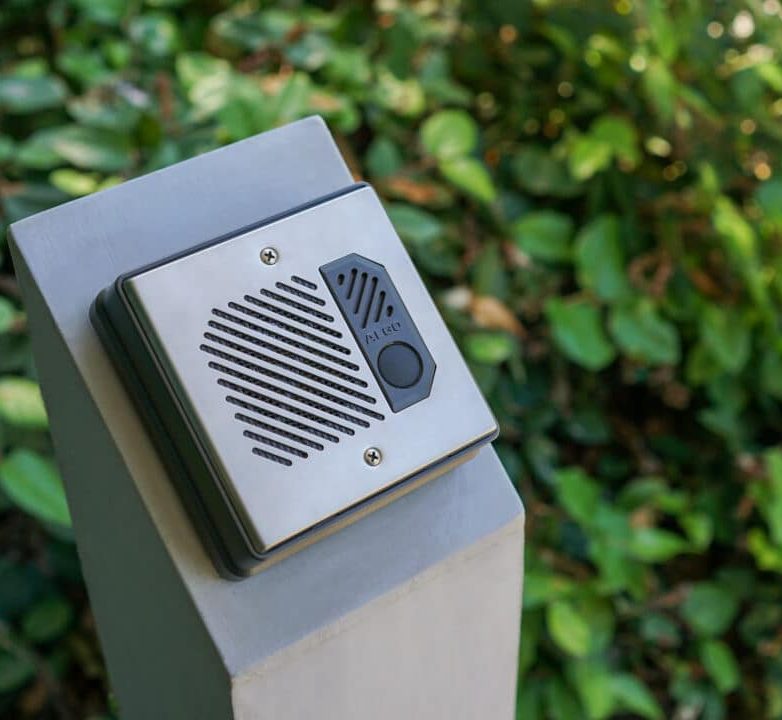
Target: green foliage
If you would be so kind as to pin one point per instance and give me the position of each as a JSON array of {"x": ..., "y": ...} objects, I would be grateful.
[
  {"x": 544, "y": 235},
  {"x": 592, "y": 193},
  {"x": 21, "y": 403},
  {"x": 577, "y": 329},
  {"x": 33, "y": 484}
]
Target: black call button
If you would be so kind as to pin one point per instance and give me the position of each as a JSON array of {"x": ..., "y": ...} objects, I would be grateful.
[
  {"x": 400, "y": 365},
  {"x": 383, "y": 329}
]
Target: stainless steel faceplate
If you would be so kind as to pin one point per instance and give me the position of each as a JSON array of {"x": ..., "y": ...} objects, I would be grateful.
[{"x": 267, "y": 372}]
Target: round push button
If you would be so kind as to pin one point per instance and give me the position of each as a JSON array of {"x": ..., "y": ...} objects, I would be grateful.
[{"x": 400, "y": 365}]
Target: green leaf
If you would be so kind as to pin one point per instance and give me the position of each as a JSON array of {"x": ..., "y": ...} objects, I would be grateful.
[
  {"x": 727, "y": 337},
  {"x": 633, "y": 696},
  {"x": 599, "y": 257},
  {"x": 16, "y": 670},
  {"x": 588, "y": 156},
  {"x": 620, "y": 135},
  {"x": 720, "y": 663},
  {"x": 539, "y": 173},
  {"x": 578, "y": 493},
  {"x": 741, "y": 244},
  {"x": 157, "y": 33},
  {"x": 8, "y": 316},
  {"x": 106, "y": 12},
  {"x": 544, "y": 235},
  {"x": 588, "y": 426},
  {"x": 768, "y": 196},
  {"x": 293, "y": 100},
  {"x": 84, "y": 66},
  {"x": 37, "y": 151},
  {"x": 771, "y": 74},
  {"x": 560, "y": 700},
  {"x": 542, "y": 454},
  {"x": 449, "y": 134},
  {"x": 699, "y": 528},
  {"x": 112, "y": 113},
  {"x": 663, "y": 29},
  {"x": 660, "y": 630},
  {"x": 569, "y": 630},
  {"x": 643, "y": 335},
  {"x": 601, "y": 615},
  {"x": 31, "y": 198},
  {"x": 21, "y": 403},
  {"x": 771, "y": 504},
  {"x": 414, "y": 225},
  {"x": 530, "y": 641},
  {"x": 73, "y": 182},
  {"x": 709, "y": 609},
  {"x": 404, "y": 97},
  {"x": 166, "y": 3},
  {"x": 767, "y": 555},
  {"x": 489, "y": 274},
  {"x": 92, "y": 148},
  {"x": 529, "y": 704},
  {"x": 240, "y": 106},
  {"x": 195, "y": 67},
  {"x": 490, "y": 348},
  {"x": 6, "y": 148},
  {"x": 47, "y": 620},
  {"x": 593, "y": 680},
  {"x": 731, "y": 224},
  {"x": 21, "y": 584},
  {"x": 660, "y": 88},
  {"x": 578, "y": 331},
  {"x": 383, "y": 158},
  {"x": 34, "y": 484},
  {"x": 540, "y": 588},
  {"x": 31, "y": 94},
  {"x": 653, "y": 545},
  {"x": 471, "y": 176}
]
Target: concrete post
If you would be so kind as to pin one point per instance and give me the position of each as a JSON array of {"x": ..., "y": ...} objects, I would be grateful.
[{"x": 412, "y": 612}]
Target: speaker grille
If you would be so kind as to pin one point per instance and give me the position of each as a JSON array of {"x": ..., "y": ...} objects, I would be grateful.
[{"x": 287, "y": 372}]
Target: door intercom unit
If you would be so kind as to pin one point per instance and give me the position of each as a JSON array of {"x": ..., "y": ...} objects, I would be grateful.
[{"x": 294, "y": 375}]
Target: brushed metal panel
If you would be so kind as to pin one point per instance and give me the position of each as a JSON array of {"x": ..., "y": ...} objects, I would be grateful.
[{"x": 174, "y": 303}]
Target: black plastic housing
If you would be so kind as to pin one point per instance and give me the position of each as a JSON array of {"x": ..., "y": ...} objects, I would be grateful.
[{"x": 379, "y": 321}]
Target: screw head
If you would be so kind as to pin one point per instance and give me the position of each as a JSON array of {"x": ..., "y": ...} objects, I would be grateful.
[
  {"x": 373, "y": 457},
  {"x": 269, "y": 256}
]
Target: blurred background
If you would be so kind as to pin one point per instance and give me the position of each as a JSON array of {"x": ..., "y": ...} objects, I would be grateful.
[{"x": 593, "y": 194}]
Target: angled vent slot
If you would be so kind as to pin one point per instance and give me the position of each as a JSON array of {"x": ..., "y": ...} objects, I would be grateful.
[
  {"x": 304, "y": 347},
  {"x": 277, "y": 417},
  {"x": 292, "y": 316},
  {"x": 276, "y": 444},
  {"x": 287, "y": 327},
  {"x": 287, "y": 407},
  {"x": 304, "y": 283},
  {"x": 300, "y": 294},
  {"x": 271, "y": 456},
  {"x": 301, "y": 307},
  {"x": 279, "y": 431}
]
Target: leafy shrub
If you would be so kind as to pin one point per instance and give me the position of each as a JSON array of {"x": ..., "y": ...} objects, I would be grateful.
[{"x": 591, "y": 192}]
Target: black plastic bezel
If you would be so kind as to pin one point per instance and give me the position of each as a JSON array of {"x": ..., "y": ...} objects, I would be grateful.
[{"x": 197, "y": 484}]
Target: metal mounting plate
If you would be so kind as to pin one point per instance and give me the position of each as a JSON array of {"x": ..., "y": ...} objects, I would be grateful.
[{"x": 237, "y": 358}]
